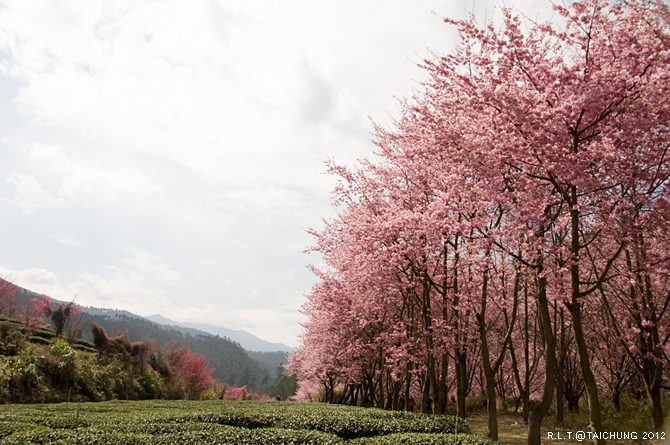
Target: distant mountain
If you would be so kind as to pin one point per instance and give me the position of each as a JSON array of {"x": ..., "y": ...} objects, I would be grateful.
[{"x": 247, "y": 340}]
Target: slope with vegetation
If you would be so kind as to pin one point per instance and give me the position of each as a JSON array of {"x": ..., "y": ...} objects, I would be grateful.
[{"x": 102, "y": 354}]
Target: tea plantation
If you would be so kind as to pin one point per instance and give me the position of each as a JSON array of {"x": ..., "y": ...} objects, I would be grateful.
[{"x": 224, "y": 422}]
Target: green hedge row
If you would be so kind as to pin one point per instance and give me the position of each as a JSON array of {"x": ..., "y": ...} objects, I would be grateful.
[
  {"x": 221, "y": 434},
  {"x": 343, "y": 421}
]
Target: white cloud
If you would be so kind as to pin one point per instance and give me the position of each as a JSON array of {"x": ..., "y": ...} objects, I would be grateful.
[
  {"x": 102, "y": 186},
  {"x": 150, "y": 267},
  {"x": 66, "y": 239},
  {"x": 34, "y": 278},
  {"x": 76, "y": 182},
  {"x": 29, "y": 194}
]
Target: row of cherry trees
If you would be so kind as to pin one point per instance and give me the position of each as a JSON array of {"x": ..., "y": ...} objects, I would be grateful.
[{"x": 512, "y": 229}]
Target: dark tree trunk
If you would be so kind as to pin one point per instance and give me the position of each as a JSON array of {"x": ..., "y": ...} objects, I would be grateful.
[
  {"x": 575, "y": 314},
  {"x": 534, "y": 425},
  {"x": 461, "y": 382},
  {"x": 656, "y": 407},
  {"x": 537, "y": 411},
  {"x": 560, "y": 378}
]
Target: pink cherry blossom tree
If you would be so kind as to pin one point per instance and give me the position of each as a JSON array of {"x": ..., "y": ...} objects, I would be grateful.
[{"x": 526, "y": 180}]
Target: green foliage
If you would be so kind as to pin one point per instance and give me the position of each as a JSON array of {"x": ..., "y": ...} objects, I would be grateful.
[
  {"x": 53, "y": 369},
  {"x": 284, "y": 387},
  {"x": 190, "y": 422},
  {"x": 64, "y": 366},
  {"x": 23, "y": 371},
  {"x": 209, "y": 394},
  {"x": 11, "y": 338}
]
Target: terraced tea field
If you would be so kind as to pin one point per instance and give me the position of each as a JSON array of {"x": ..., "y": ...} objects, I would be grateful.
[{"x": 223, "y": 422}]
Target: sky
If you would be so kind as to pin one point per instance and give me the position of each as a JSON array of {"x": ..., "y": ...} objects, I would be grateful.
[{"x": 164, "y": 156}]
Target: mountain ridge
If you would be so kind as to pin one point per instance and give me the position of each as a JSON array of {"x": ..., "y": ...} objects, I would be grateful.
[{"x": 245, "y": 339}]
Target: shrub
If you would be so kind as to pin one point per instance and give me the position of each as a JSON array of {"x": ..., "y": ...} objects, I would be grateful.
[
  {"x": 209, "y": 394},
  {"x": 475, "y": 403},
  {"x": 24, "y": 371},
  {"x": 89, "y": 382},
  {"x": 152, "y": 384},
  {"x": 11, "y": 339}
]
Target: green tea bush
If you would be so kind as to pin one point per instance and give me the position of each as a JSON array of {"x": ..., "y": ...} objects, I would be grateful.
[
  {"x": 44, "y": 333},
  {"x": 220, "y": 422},
  {"x": 39, "y": 340},
  {"x": 83, "y": 346},
  {"x": 353, "y": 422},
  {"x": 423, "y": 439},
  {"x": 223, "y": 435},
  {"x": 85, "y": 343}
]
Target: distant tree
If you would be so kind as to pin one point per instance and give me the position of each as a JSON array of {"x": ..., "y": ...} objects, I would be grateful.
[
  {"x": 61, "y": 315},
  {"x": 11, "y": 306},
  {"x": 8, "y": 301},
  {"x": 100, "y": 338},
  {"x": 192, "y": 368}
]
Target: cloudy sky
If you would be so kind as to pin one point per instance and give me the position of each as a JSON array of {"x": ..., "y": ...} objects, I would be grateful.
[{"x": 167, "y": 156}]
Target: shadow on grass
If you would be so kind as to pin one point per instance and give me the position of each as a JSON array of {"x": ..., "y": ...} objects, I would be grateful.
[{"x": 512, "y": 431}]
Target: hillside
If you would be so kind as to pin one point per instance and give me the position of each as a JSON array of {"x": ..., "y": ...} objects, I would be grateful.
[{"x": 232, "y": 364}]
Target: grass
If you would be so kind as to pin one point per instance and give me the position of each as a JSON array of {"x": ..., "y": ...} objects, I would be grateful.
[{"x": 512, "y": 430}]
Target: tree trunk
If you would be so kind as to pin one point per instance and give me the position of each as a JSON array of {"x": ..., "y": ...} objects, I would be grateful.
[
  {"x": 575, "y": 314},
  {"x": 461, "y": 382},
  {"x": 424, "y": 396},
  {"x": 534, "y": 424},
  {"x": 560, "y": 380},
  {"x": 656, "y": 407},
  {"x": 589, "y": 379},
  {"x": 408, "y": 384},
  {"x": 616, "y": 399},
  {"x": 440, "y": 402},
  {"x": 489, "y": 371},
  {"x": 491, "y": 406},
  {"x": 537, "y": 411},
  {"x": 396, "y": 394}
]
